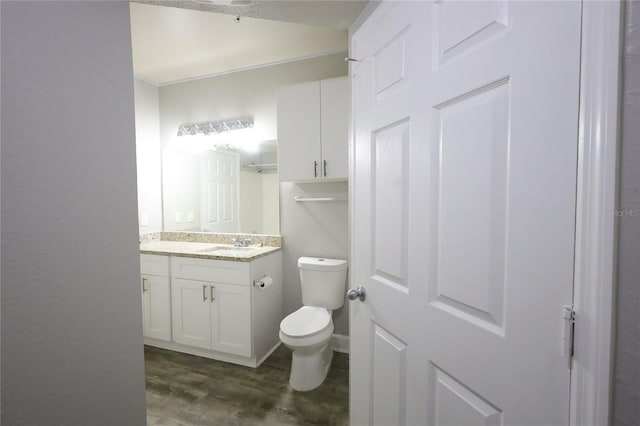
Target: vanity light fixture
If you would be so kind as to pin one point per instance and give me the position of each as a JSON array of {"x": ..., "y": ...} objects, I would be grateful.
[
  {"x": 214, "y": 128},
  {"x": 230, "y": 135}
]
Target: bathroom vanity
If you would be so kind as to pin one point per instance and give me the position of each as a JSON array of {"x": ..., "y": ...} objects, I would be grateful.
[{"x": 212, "y": 299}]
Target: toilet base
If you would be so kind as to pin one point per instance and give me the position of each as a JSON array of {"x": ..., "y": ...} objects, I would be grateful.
[{"x": 309, "y": 368}]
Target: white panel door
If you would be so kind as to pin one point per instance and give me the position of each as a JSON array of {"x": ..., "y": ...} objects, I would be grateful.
[
  {"x": 191, "y": 311},
  {"x": 299, "y": 131},
  {"x": 156, "y": 297},
  {"x": 465, "y": 129},
  {"x": 334, "y": 113},
  {"x": 231, "y": 318},
  {"x": 219, "y": 171}
]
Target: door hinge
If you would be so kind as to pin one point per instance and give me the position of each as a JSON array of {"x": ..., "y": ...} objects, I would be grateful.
[{"x": 569, "y": 316}]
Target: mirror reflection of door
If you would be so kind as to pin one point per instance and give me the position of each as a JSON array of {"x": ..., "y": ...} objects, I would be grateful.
[{"x": 219, "y": 191}]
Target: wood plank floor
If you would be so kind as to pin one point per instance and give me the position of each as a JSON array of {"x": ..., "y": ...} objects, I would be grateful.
[{"x": 189, "y": 390}]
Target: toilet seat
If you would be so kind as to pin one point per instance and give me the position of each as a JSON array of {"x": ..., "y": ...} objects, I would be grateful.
[{"x": 307, "y": 321}]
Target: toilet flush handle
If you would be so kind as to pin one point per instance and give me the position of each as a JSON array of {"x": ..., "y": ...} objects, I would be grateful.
[{"x": 357, "y": 293}]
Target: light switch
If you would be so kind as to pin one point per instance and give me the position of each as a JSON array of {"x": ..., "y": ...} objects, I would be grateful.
[
  {"x": 190, "y": 217},
  {"x": 144, "y": 219},
  {"x": 178, "y": 217}
]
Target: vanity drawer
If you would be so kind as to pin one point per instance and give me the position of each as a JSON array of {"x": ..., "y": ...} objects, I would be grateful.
[
  {"x": 220, "y": 271},
  {"x": 153, "y": 264}
]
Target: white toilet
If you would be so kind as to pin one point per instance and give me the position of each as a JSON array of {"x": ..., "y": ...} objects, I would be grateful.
[{"x": 307, "y": 331}]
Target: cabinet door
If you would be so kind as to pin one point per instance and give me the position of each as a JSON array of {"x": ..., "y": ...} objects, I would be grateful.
[
  {"x": 231, "y": 318},
  {"x": 191, "y": 310},
  {"x": 156, "y": 307},
  {"x": 334, "y": 95},
  {"x": 299, "y": 132}
]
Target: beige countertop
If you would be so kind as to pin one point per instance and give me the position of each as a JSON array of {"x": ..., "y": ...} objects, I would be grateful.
[{"x": 206, "y": 250}]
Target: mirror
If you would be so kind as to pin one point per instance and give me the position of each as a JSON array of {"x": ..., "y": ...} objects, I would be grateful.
[
  {"x": 210, "y": 68},
  {"x": 223, "y": 190}
]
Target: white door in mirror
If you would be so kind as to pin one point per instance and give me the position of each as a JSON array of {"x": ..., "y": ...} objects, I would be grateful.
[{"x": 219, "y": 172}]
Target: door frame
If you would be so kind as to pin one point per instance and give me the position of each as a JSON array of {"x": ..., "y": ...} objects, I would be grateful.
[{"x": 596, "y": 227}]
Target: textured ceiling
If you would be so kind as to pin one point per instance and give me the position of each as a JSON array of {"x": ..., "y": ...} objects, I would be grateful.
[
  {"x": 172, "y": 44},
  {"x": 326, "y": 13}
]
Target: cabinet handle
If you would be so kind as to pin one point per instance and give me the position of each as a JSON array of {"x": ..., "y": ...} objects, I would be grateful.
[
  {"x": 325, "y": 168},
  {"x": 204, "y": 292},
  {"x": 315, "y": 169},
  {"x": 144, "y": 289},
  {"x": 211, "y": 294}
]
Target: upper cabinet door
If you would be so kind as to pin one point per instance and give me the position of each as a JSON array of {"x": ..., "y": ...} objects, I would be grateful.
[
  {"x": 299, "y": 154},
  {"x": 334, "y": 95}
]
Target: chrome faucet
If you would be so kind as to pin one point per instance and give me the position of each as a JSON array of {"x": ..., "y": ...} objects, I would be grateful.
[{"x": 238, "y": 242}]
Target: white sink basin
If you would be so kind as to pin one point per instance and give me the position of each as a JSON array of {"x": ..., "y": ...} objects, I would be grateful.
[{"x": 228, "y": 250}]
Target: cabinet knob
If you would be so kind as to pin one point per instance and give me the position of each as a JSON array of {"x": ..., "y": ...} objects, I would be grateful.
[
  {"x": 204, "y": 292},
  {"x": 315, "y": 169}
]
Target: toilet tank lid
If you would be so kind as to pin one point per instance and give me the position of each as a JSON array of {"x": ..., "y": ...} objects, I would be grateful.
[{"x": 322, "y": 264}]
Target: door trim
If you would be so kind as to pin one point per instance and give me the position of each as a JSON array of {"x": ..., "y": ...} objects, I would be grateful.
[{"x": 595, "y": 222}]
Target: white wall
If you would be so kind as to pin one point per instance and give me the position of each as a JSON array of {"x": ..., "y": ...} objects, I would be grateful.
[
  {"x": 626, "y": 380},
  {"x": 71, "y": 316},
  {"x": 148, "y": 156},
  {"x": 251, "y": 209},
  {"x": 259, "y": 206},
  {"x": 270, "y": 203},
  {"x": 313, "y": 229},
  {"x": 181, "y": 179}
]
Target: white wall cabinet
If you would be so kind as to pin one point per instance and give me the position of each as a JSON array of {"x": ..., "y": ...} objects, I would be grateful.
[
  {"x": 214, "y": 310},
  {"x": 156, "y": 298},
  {"x": 313, "y": 130}
]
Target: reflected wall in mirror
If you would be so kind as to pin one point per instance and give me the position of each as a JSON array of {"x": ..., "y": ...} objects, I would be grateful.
[{"x": 221, "y": 190}]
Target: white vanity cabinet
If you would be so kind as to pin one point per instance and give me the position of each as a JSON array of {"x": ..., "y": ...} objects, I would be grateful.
[
  {"x": 216, "y": 311},
  {"x": 156, "y": 296},
  {"x": 313, "y": 130}
]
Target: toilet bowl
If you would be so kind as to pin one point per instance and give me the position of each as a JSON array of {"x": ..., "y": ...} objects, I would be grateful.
[{"x": 307, "y": 331}]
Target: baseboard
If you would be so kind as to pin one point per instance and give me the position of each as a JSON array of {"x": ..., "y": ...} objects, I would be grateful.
[
  {"x": 339, "y": 343},
  {"x": 268, "y": 354},
  {"x": 191, "y": 350}
]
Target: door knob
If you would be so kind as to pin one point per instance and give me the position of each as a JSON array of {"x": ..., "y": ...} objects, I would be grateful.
[{"x": 357, "y": 293}]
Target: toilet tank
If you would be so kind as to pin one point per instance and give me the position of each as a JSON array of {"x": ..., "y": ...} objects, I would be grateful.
[{"x": 323, "y": 281}]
